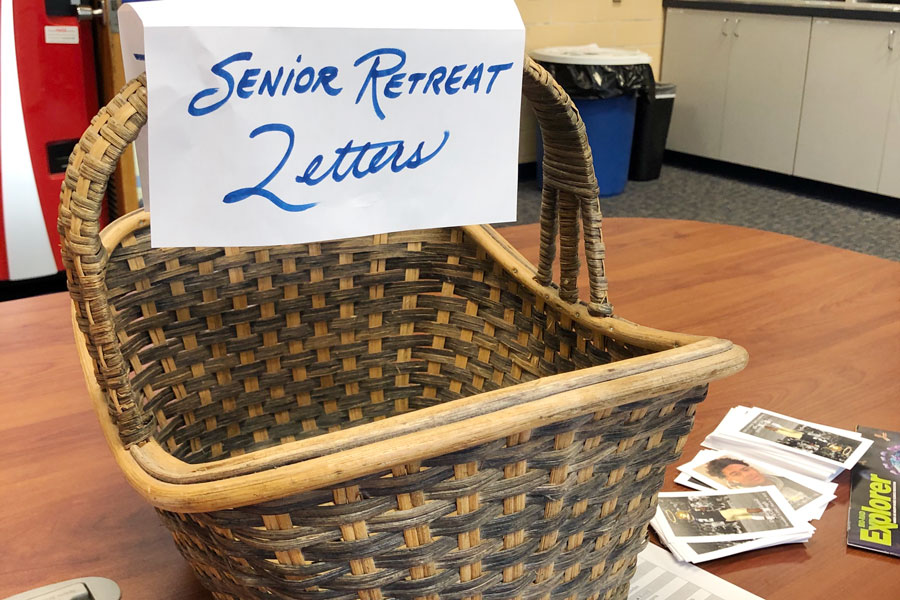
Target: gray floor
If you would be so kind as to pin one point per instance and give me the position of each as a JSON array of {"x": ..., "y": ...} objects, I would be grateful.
[{"x": 719, "y": 193}]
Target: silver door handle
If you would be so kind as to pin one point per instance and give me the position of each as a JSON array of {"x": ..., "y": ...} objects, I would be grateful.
[
  {"x": 891, "y": 40},
  {"x": 724, "y": 27},
  {"x": 106, "y": 12},
  {"x": 734, "y": 31},
  {"x": 86, "y": 12}
]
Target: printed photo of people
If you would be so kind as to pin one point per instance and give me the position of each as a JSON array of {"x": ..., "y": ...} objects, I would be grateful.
[
  {"x": 737, "y": 473},
  {"x": 723, "y": 514},
  {"x": 803, "y": 437}
]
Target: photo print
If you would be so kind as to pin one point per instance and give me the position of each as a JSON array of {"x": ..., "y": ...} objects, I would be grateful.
[
  {"x": 805, "y": 438},
  {"x": 816, "y": 451},
  {"x": 727, "y": 516},
  {"x": 728, "y": 470}
]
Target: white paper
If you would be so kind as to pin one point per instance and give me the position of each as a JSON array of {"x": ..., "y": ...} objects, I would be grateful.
[
  {"x": 132, "y": 38},
  {"x": 239, "y": 157},
  {"x": 660, "y": 577}
]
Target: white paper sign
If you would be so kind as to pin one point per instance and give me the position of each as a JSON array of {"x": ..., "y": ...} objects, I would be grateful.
[{"x": 285, "y": 121}]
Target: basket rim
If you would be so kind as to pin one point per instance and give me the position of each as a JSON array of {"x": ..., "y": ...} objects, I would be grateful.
[{"x": 681, "y": 361}]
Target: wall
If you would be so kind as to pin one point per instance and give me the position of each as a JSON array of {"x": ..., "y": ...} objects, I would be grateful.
[{"x": 634, "y": 24}]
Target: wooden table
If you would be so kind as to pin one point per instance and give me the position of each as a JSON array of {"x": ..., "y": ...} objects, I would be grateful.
[{"x": 821, "y": 325}]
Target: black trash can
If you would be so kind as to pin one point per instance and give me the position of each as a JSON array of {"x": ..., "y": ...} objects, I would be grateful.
[{"x": 651, "y": 127}]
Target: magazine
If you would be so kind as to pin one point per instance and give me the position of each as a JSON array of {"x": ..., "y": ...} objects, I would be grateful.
[{"x": 872, "y": 520}]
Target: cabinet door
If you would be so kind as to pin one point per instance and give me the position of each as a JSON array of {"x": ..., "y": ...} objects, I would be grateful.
[
  {"x": 695, "y": 59},
  {"x": 889, "y": 184},
  {"x": 847, "y": 97},
  {"x": 765, "y": 90}
]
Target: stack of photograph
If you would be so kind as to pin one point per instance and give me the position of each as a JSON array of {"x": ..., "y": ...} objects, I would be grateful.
[
  {"x": 765, "y": 479},
  {"x": 723, "y": 471},
  {"x": 701, "y": 526},
  {"x": 806, "y": 448}
]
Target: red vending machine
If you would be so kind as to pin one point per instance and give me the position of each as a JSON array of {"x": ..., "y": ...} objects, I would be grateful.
[{"x": 48, "y": 94}]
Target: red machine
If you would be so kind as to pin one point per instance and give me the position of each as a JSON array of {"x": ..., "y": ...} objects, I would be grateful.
[{"x": 48, "y": 94}]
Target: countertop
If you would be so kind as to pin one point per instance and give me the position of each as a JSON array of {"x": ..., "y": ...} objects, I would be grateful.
[{"x": 808, "y": 8}]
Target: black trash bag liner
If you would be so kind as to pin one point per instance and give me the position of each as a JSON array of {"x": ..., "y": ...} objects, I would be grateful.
[{"x": 603, "y": 81}]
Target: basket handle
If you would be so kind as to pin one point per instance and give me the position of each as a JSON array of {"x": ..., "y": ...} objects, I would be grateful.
[
  {"x": 91, "y": 164},
  {"x": 570, "y": 191}
]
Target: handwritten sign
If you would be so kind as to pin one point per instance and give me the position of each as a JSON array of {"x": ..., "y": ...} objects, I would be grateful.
[{"x": 296, "y": 121}]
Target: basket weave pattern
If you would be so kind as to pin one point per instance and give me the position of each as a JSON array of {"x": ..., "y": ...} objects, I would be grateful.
[
  {"x": 245, "y": 364},
  {"x": 556, "y": 512},
  {"x": 236, "y": 349}
]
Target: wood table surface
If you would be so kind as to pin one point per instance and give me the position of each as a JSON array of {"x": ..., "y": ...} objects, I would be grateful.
[{"x": 822, "y": 326}]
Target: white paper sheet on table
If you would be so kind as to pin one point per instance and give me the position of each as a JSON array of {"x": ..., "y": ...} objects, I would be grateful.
[
  {"x": 660, "y": 577},
  {"x": 252, "y": 150}
]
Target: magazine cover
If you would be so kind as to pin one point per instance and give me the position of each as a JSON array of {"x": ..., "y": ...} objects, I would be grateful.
[{"x": 872, "y": 522}]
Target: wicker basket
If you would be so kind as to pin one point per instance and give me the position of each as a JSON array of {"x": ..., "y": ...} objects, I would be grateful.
[{"x": 407, "y": 415}]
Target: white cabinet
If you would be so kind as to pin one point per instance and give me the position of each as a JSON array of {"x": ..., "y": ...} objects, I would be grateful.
[
  {"x": 847, "y": 100},
  {"x": 695, "y": 59},
  {"x": 817, "y": 98},
  {"x": 889, "y": 182},
  {"x": 740, "y": 85},
  {"x": 765, "y": 91}
]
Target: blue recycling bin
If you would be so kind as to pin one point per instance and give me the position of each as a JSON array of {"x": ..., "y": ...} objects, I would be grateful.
[
  {"x": 603, "y": 83},
  {"x": 609, "y": 124}
]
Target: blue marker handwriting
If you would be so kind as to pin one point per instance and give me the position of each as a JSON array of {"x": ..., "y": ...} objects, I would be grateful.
[
  {"x": 390, "y": 82},
  {"x": 354, "y": 159},
  {"x": 381, "y": 71},
  {"x": 368, "y": 159},
  {"x": 297, "y": 80},
  {"x": 379, "y": 77}
]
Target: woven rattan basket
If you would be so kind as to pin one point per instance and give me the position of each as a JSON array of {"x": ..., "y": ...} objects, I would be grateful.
[{"x": 407, "y": 415}]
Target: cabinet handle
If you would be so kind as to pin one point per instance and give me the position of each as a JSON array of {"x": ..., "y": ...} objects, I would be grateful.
[
  {"x": 891, "y": 40},
  {"x": 734, "y": 31},
  {"x": 724, "y": 27}
]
